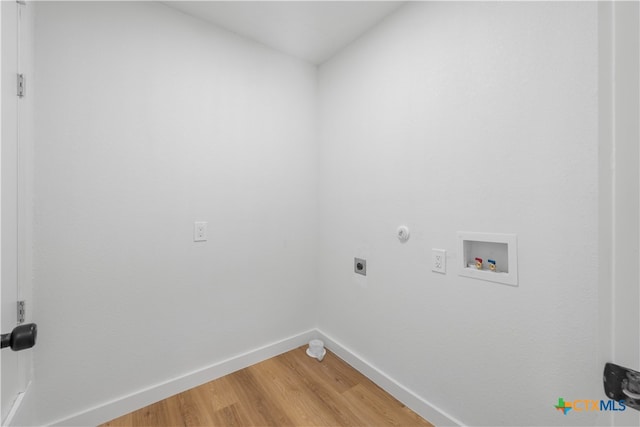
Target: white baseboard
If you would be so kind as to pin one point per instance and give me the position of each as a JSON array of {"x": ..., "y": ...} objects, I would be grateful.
[
  {"x": 125, "y": 404},
  {"x": 414, "y": 402},
  {"x": 15, "y": 408},
  {"x": 24, "y": 410}
]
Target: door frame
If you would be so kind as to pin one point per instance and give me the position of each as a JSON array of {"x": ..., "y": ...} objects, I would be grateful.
[
  {"x": 619, "y": 194},
  {"x": 17, "y": 236}
]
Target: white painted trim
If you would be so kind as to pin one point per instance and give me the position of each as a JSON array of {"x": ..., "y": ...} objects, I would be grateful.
[
  {"x": 24, "y": 413},
  {"x": 409, "y": 398},
  {"x": 8, "y": 421},
  {"x": 139, "y": 399}
]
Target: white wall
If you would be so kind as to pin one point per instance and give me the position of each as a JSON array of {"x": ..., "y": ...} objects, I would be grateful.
[
  {"x": 446, "y": 117},
  {"x": 467, "y": 117},
  {"x": 149, "y": 120}
]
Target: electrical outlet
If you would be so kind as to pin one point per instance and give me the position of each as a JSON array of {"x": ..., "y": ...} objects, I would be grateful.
[
  {"x": 199, "y": 231},
  {"x": 360, "y": 266},
  {"x": 439, "y": 260}
]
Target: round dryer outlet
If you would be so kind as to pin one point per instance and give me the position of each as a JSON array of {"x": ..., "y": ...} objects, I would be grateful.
[{"x": 403, "y": 233}]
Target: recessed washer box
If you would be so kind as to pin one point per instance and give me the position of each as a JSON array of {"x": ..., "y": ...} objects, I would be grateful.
[{"x": 501, "y": 248}]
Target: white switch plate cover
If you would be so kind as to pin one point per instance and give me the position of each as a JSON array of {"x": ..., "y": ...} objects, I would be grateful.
[
  {"x": 199, "y": 231},
  {"x": 439, "y": 260}
]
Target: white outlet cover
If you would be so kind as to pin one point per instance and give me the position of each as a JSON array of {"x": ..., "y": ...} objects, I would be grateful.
[
  {"x": 439, "y": 260},
  {"x": 199, "y": 231}
]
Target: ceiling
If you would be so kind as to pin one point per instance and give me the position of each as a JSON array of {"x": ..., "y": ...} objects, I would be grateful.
[{"x": 310, "y": 30}]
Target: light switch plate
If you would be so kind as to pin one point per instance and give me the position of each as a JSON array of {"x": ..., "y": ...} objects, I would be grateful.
[{"x": 439, "y": 260}]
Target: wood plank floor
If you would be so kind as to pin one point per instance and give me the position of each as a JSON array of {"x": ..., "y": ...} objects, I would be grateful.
[{"x": 288, "y": 390}]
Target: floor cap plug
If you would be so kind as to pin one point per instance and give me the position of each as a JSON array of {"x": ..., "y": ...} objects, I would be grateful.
[{"x": 316, "y": 350}]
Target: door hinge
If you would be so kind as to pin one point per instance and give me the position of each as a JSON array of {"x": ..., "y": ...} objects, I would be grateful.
[
  {"x": 21, "y": 312},
  {"x": 21, "y": 85}
]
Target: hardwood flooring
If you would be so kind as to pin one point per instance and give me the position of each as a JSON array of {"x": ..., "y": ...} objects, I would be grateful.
[{"x": 288, "y": 390}]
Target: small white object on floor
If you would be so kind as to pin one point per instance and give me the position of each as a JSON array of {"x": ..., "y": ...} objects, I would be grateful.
[{"x": 316, "y": 350}]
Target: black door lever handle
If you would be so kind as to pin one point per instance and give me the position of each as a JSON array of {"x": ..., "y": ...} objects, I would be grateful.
[{"x": 21, "y": 338}]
